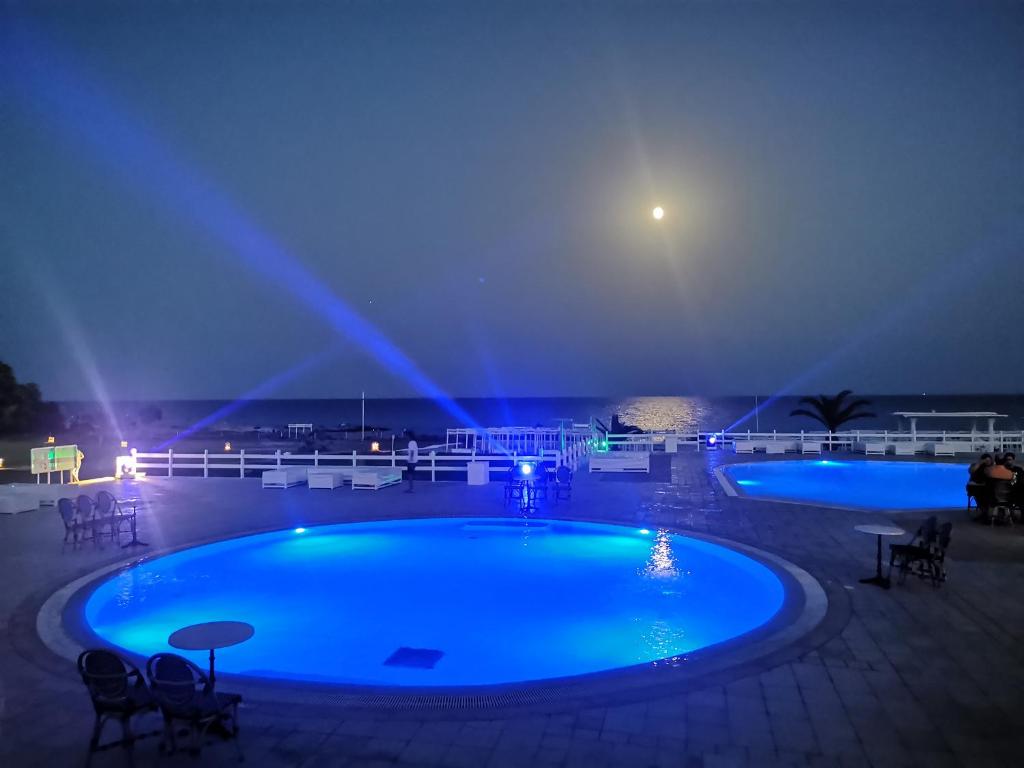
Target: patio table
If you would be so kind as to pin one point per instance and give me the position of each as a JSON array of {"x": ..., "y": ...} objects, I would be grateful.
[
  {"x": 211, "y": 635},
  {"x": 879, "y": 530}
]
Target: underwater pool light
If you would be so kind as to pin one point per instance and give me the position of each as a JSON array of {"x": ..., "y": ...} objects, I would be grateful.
[
  {"x": 300, "y": 530},
  {"x": 645, "y": 532}
]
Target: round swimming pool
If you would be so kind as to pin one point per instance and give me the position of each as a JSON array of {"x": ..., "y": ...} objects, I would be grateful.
[
  {"x": 442, "y": 602},
  {"x": 858, "y": 484}
]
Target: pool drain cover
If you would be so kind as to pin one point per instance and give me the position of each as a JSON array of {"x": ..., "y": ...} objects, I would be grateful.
[{"x": 419, "y": 658}]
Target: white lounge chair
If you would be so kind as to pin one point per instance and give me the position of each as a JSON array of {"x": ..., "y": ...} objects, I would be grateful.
[
  {"x": 810, "y": 447},
  {"x": 872, "y": 449},
  {"x": 943, "y": 449},
  {"x": 744, "y": 446},
  {"x": 904, "y": 448},
  {"x": 373, "y": 479},
  {"x": 329, "y": 477},
  {"x": 777, "y": 446},
  {"x": 625, "y": 461},
  {"x": 285, "y": 477}
]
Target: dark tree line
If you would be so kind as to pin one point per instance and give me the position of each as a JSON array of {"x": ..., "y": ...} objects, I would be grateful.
[{"x": 22, "y": 408}]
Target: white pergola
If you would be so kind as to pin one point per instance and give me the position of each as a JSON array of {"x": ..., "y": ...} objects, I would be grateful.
[
  {"x": 299, "y": 429},
  {"x": 915, "y": 415}
]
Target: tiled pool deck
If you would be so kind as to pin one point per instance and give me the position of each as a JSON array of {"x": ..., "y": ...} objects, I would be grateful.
[{"x": 912, "y": 676}]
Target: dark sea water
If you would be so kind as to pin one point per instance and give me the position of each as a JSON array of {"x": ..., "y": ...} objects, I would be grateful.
[{"x": 648, "y": 413}]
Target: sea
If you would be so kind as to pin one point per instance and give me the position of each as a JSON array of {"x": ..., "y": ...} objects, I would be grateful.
[{"x": 429, "y": 417}]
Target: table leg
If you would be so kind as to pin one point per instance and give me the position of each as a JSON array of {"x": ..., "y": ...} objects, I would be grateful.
[
  {"x": 136, "y": 541},
  {"x": 212, "y": 678},
  {"x": 878, "y": 580}
]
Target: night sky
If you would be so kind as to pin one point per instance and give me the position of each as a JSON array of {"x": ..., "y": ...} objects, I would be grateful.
[{"x": 199, "y": 200}]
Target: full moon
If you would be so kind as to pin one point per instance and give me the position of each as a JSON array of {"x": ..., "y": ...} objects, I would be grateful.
[{"x": 658, "y": 213}]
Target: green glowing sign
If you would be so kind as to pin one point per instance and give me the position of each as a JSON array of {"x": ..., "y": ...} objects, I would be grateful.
[{"x": 56, "y": 458}]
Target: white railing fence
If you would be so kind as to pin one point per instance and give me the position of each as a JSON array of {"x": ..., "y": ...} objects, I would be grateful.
[
  {"x": 961, "y": 442},
  {"x": 440, "y": 466},
  {"x": 495, "y": 440}
]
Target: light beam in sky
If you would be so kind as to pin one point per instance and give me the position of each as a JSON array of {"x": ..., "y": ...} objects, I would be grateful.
[{"x": 55, "y": 86}]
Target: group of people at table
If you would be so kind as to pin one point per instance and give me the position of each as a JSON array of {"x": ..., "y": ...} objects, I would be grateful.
[{"x": 996, "y": 482}]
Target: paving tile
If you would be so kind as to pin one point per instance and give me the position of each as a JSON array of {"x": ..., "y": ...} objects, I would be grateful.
[{"x": 913, "y": 676}]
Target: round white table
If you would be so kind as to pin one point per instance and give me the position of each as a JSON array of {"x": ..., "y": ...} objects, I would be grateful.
[
  {"x": 879, "y": 530},
  {"x": 209, "y": 636}
]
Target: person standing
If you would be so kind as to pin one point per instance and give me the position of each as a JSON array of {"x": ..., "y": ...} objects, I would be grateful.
[
  {"x": 412, "y": 457},
  {"x": 79, "y": 458}
]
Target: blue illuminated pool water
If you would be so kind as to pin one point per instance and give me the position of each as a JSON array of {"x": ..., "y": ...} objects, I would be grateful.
[
  {"x": 501, "y": 600},
  {"x": 862, "y": 484}
]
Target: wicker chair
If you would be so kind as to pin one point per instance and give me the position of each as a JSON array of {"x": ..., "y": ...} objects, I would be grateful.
[
  {"x": 563, "y": 483},
  {"x": 925, "y": 555},
  {"x": 109, "y": 510},
  {"x": 185, "y": 694},
  {"x": 118, "y": 692},
  {"x": 88, "y": 518},
  {"x": 72, "y": 526},
  {"x": 514, "y": 487}
]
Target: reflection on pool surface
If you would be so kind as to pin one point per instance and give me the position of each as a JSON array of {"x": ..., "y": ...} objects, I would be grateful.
[
  {"x": 860, "y": 484},
  {"x": 443, "y": 601}
]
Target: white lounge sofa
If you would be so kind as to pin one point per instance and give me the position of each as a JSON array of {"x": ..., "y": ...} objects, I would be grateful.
[
  {"x": 810, "y": 447},
  {"x": 744, "y": 446},
  {"x": 905, "y": 448},
  {"x": 626, "y": 461},
  {"x": 285, "y": 477},
  {"x": 942, "y": 449},
  {"x": 375, "y": 478},
  {"x": 13, "y": 501},
  {"x": 778, "y": 446},
  {"x": 45, "y": 494},
  {"x": 329, "y": 477}
]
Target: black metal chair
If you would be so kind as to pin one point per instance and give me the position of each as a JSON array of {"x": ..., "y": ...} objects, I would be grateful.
[
  {"x": 1001, "y": 502},
  {"x": 118, "y": 692},
  {"x": 976, "y": 492},
  {"x": 925, "y": 555},
  {"x": 68, "y": 516},
  {"x": 109, "y": 509},
  {"x": 540, "y": 482},
  {"x": 514, "y": 486},
  {"x": 185, "y": 694},
  {"x": 563, "y": 483},
  {"x": 88, "y": 518}
]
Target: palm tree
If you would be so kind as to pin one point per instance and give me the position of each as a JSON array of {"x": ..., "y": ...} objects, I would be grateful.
[{"x": 835, "y": 411}]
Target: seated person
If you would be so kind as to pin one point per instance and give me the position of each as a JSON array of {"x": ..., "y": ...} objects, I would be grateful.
[
  {"x": 978, "y": 468},
  {"x": 1000, "y": 471},
  {"x": 1010, "y": 462}
]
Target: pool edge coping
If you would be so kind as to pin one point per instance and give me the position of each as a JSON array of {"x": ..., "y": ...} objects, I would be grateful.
[
  {"x": 721, "y": 474},
  {"x": 645, "y": 678}
]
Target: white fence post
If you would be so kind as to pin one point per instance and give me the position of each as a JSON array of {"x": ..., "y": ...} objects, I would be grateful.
[
  {"x": 170, "y": 462},
  {"x": 206, "y": 462},
  {"x": 433, "y": 466},
  {"x": 316, "y": 458},
  {"x": 241, "y": 463},
  {"x": 353, "y": 458},
  {"x": 277, "y": 455}
]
